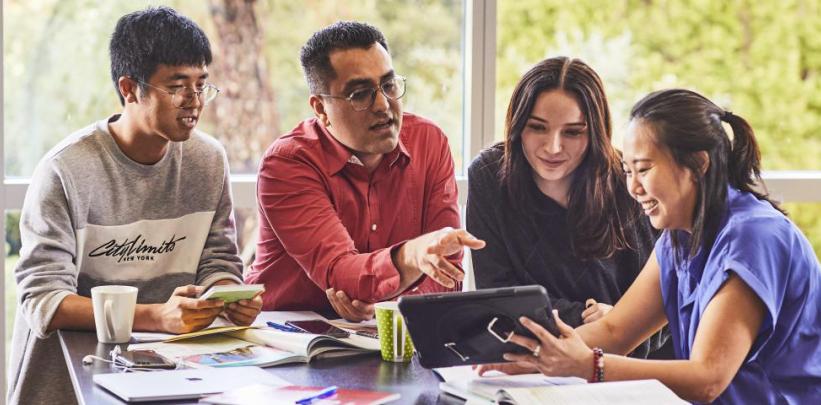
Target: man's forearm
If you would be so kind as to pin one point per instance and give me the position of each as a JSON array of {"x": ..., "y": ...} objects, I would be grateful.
[
  {"x": 146, "y": 318},
  {"x": 408, "y": 272},
  {"x": 76, "y": 312}
]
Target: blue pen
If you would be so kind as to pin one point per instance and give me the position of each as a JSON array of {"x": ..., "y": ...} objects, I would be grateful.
[
  {"x": 284, "y": 328},
  {"x": 325, "y": 393}
]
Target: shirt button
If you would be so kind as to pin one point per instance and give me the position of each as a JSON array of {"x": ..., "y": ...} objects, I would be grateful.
[{"x": 373, "y": 228}]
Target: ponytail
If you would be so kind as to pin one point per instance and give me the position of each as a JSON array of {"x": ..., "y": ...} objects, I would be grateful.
[
  {"x": 744, "y": 160},
  {"x": 687, "y": 124}
]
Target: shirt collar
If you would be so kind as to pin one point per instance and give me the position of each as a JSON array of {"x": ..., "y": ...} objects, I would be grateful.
[
  {"x": 403, "y": 151},
  {"x": 339, "y": 155}
]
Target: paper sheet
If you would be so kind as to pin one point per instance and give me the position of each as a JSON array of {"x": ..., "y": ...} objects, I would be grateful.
[
  {"x": 147, "y": 337},
  {"x": 282, "y": 316},
  {"x": 201, "y": 345},
  {"x": 463, "y": 381},
  {"x": 649, "y": 392}
]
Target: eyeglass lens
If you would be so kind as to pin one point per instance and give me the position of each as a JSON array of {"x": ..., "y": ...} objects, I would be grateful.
[
  {"x": 364, "y": 98},
  {"x": 185, "y": 95}
]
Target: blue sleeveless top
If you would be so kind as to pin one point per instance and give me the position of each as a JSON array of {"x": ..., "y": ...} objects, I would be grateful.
[{"x": 768, "y": 252}]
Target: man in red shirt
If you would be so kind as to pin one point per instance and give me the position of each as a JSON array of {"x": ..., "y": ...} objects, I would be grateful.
[{"x": 358, "y": 204}]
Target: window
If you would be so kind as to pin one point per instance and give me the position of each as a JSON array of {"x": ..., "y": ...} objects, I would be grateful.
[
  {"x": 57, "y": 69},
  {"x": 57, "y": 80},
  {"x": 756, "y": 59}
]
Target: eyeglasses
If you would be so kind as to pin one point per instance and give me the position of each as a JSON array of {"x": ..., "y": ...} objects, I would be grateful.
[
  {"x": 363, "y": 99},
  {"x": 183, "y": 96}
]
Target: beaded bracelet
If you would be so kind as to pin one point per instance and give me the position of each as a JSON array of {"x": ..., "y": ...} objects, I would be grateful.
[{"x": 598, "y": 365}]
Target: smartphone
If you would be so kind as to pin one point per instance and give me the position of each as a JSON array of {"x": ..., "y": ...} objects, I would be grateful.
[
  {"x": 145, "y": 359},
  {"x": 232, "y": 292},
  {"x": 319, "y": 327},
  {"x": 368, "y": 332}
]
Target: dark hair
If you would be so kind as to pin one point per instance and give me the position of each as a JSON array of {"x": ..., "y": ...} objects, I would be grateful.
[
  {"x": 315, "y": 54},
  {"x": 600, "y": 212},
  {"x": 687, "y": 123},
  {"x": 144, "y": 39}
]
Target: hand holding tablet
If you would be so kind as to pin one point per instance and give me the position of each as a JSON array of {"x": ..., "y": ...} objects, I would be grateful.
[{"x": 461, "y": 328}]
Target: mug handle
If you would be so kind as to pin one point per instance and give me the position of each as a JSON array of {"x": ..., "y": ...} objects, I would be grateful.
[
  {"x": 108, "y": 310},
  {"x": 397, "y": 342}
]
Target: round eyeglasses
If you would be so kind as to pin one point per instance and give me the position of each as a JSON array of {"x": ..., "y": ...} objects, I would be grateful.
[
  {"x": 183, "y": 96},
  {"x": 363, "y": 99}
]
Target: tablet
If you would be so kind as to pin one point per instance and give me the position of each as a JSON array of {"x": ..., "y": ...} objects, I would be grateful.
[
  {"x": 232, "y": 292},
  {"x": 455, "y": 329}
]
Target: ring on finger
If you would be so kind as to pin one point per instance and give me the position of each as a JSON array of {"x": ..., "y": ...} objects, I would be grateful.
[{"x": 537, "y": 350}]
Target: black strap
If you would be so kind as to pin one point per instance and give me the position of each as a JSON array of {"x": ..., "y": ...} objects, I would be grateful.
[{"x": 482, "y": 337}]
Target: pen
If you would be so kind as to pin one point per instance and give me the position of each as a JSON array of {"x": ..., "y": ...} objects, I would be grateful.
[
  {"x": 284, "y": 328},
  {"x": 325, "y": 393}
]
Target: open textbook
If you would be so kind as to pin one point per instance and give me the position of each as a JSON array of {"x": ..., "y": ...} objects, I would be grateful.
[
  {"x": 223, "y": 345},
  {"x": 499, "y": 388}
]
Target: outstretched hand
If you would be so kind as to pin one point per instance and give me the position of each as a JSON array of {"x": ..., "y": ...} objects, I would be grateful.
[{"x": 429, "y": 253}]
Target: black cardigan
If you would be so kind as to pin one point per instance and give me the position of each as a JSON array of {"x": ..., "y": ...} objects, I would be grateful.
[{"x": 534, "y": 247}]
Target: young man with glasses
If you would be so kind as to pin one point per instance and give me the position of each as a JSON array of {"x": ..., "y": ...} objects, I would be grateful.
[
  {"x": 139, "y": 198},
  {"x": 358, "y": 204}
]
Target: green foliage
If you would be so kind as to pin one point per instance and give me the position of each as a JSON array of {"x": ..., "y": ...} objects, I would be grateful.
[
  {"x": 56, "y": 73},
  {"x": 760, "y": 59},
  {"x": 13, "y": 241},
  {"x": 426, "y": 48},
  {"x": 10, "y": 293},
  {"x": 57, "y": 77},
  {"x": 805, "y": 215}
]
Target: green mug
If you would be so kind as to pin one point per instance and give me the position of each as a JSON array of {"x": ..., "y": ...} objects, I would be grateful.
[{"x": 394, "y": 339}]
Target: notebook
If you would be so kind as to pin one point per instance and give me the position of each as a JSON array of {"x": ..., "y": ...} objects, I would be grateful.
[{"x": 183, "y": 384}]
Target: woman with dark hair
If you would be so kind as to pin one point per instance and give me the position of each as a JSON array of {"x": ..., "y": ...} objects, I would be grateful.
[
  {"x": 551, "y": 201},
  {"x": 735, "y": 279}
]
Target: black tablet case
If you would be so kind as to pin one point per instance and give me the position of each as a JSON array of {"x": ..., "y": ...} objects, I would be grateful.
[{"x": 450, "y": 329}]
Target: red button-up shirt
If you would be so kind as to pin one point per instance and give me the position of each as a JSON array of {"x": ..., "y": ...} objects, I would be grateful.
[{"x": 326, "y": 222}]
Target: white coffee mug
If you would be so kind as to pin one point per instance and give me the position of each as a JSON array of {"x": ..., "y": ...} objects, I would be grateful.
[{"x": 114, "y": 312}]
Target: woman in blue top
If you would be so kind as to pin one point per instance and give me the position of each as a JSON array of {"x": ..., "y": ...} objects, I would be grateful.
[{"x": 735, "y": 279}]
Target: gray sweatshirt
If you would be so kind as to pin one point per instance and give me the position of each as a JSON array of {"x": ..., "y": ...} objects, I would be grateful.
[{"x": 92, "y": 216}]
